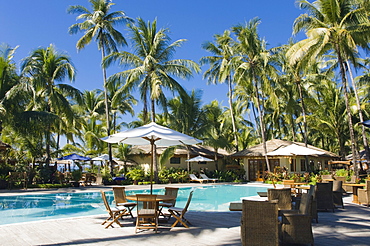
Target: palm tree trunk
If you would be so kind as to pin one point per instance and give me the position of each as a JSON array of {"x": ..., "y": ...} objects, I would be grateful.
[
  {"x": 349, "y": 115},
  {"x": 107, "y": 113},
  {"x": 155, "y": 163},
  {"x": 232, "y": 113},
  {"x": 262, "y": 126},
  {"x": 364, "y": 139}
]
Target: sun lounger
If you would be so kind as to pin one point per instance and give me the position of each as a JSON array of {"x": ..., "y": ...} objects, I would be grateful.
[
  {"x": 208, "y": 179},
  {"x": 195, "y": 179}
]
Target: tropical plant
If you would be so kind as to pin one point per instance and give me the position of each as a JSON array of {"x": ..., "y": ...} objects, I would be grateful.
[{"x": 99, "y": 24}]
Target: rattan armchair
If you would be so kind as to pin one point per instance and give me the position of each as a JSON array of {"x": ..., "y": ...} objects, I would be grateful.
[
  {"x": 324, "y": 196},
  {"x": 296, "y": 226},
  {"x": 283, "y": 196},
  {"x": 338, "y": 193},
  {"x": 259, "y": 224},
  {"x": 364, "y": 194}
]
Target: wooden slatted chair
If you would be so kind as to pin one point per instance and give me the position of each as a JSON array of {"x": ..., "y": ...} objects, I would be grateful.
[
  {"x": 364, "y": 194},
  {"x": 115, "y": 213},
  {"x": 179, "y": 213},
  {"x": 147, "y": 212},
  {"x": 120, "y": 200},
  {"x": 169, "y": 191}
]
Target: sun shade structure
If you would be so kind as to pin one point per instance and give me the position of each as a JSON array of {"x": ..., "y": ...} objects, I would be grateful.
[
  {"x": 155, "y": 135},
  {"x": 74, "y": 157},
  {"x": 199, "y": 158},
  {"x": 294, "y": 149}
]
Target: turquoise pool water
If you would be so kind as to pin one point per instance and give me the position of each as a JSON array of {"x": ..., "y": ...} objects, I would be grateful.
[{"x": 26, "y": 208}]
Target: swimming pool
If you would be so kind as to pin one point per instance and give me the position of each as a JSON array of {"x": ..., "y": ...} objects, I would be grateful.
[{"x": 26, "y": 208}]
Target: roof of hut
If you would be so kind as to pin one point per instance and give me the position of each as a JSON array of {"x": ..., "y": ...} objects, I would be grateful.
[{"x": 274, "y": 144}]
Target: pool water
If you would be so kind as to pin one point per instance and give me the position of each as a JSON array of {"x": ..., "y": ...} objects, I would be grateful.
[{"x": 26, "y": 208}]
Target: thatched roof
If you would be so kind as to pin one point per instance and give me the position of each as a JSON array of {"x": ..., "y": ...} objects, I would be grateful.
[
  {"x": 195, "y": 150},
  {"x": 274, "y": 144}
]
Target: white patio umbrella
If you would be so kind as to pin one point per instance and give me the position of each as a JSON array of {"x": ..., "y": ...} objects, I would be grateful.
[
  {"x": 294, "y": 149},
  {"x": 198, "y": 158},
  {"x": 155, "y": 135}
]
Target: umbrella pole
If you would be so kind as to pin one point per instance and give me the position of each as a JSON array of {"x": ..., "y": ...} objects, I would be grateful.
[{"x": 151, "y": 167}]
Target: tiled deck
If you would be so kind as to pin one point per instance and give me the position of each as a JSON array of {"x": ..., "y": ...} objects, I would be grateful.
[{"x": 349, "y": 226}]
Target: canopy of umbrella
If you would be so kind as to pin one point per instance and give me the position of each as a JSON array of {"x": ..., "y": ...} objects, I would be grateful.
[{"x": 155, "y": 135}]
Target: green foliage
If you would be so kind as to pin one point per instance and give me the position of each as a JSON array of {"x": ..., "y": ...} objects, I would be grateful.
[
  {"x": 136, "y": 174},
  {"x": 76, "y": 175},
  {"x": 341, "y": 172},
  {"x": 49, "y": 186}
]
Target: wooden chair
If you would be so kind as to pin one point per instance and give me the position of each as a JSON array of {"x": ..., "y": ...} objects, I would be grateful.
[
  {"x": 283, "y": 196},
  {"x": 364, "y": 194},
  {"x": 115, "y": 213},
  {"x": 147, "y": 212},
  {"x": 296, "y": 227},
  {"x": 120, "y": 200},
  {"x": 170, "y": 191},
  {"x": 194, "y": 178},
  {"x": 324, "y": 196},
  {"x": 338, "y": 193},
  {"x": 259, "y": 223},
  {"x": 179, "y": 213}
]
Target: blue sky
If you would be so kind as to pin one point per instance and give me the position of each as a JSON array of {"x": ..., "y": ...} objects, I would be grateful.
[{"x": 38, "y": 23}]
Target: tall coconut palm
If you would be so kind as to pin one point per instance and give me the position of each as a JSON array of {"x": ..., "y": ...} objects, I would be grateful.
[
  {"x": 255, "y": 70},
  {"x": 99, "y": 24},
  {"x": 340, "y": 26},
  {"x": 8, "y": 77},
  {"x": 151, "y": 67},
  {"x": 45, "y": 68},
  {"x": 222, "y": 68}
]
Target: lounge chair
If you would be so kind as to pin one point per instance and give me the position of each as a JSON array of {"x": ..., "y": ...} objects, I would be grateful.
[
  {"x": 204, "y": 176},
  {"x": 120, "y": 199},
  {"x": 147, "y": 212},
  {"x": 115, "y": 213},
  {"x": 195, "y": 179},
  {"x": 169, "y": 191},
  {"x": 179, "y": 213}
]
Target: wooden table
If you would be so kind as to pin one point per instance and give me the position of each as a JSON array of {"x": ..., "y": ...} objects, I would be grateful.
[
  {"x": 355, "y": 188},
  {"x": 160, "y": 198}
]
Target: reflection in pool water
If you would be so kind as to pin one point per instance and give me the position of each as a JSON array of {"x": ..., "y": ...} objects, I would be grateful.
[{"x": 25, "y": 208}]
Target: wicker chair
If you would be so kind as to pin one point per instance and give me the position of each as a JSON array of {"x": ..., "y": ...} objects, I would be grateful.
[
  {"x": 259, "y": 224},
  {"x": 120, "y": 200},
  {"x": 324, "y": 196},
  {"x": 283, "y": 196},
  {"x": 296, "y": 226},
  {"x": 364, "y": 194},
  {"x": 338, "y": 193}
]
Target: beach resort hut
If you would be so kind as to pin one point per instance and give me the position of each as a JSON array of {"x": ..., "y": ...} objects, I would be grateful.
[{"x": 255, "y": 164}]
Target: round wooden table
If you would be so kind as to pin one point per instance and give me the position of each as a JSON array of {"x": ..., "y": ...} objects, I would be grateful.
[{"x": 160, "y": 198}]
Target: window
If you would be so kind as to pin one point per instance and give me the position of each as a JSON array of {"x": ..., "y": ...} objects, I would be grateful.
[
  {"x": 175, "y": 160},
  {"x": 293, "y": 165},
  {"x": 303, "y": 165}
]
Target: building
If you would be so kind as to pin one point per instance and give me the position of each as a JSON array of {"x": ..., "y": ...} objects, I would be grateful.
[
  {"x": 142, "y": 155},
  {"x": 255, "y": 163}
]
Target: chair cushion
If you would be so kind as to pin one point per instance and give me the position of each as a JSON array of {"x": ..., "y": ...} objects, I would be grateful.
[
  {"x": 126, "y": 204},
  {"x": 146, "y": 212}
]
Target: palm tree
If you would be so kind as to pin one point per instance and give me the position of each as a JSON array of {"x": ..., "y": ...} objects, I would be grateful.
[
  {"x": 333, "y": 25},
  {"x": 8, "y": 78},
  {"x": 255, "y": 70},
  {"x": 44, "y": 68},
  {"x": 222, "y": 68},
  {"x": 99, "y": 24},
  {"x": 152, "y": 70}
]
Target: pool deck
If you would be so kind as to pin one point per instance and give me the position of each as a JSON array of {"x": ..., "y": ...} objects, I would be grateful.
[{"x": 348, "y": 226}]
